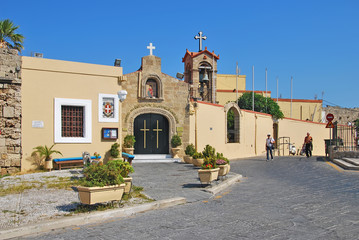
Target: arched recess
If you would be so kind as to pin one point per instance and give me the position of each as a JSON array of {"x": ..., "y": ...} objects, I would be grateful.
[
  {"x": 155, "y": 79},
  {"x": 138, "y": 111},
  {"x": 232, "y": 122}
]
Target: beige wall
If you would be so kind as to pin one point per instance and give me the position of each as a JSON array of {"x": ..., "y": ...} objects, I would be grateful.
[
  {"x": 229, "y": 81},
  {"x": 302, "y": 109},
  {"x": 225, "y": 96},
  {"x": 43, "y": 81},
  {"x": 297, "y": 130},
  {"x": 254, "y": 128}
]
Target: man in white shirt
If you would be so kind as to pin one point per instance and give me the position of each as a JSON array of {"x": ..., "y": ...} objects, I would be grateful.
[{"x": 269, "y": 146}]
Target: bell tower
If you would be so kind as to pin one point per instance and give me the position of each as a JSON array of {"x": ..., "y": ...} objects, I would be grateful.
[{"x": 200, "y": 71}]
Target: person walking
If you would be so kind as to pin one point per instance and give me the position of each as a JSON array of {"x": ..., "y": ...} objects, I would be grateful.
[
  {"x": 308, "y": 145},
  {"x": 269, "y": 146}
]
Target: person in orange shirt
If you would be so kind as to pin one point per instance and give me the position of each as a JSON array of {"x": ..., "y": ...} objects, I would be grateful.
[{"x": 308, "y": 145}]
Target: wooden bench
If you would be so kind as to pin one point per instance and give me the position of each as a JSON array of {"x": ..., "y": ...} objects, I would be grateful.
[
  {"x": 128, "y": 157},
  {"x": 70, "y": 162}
]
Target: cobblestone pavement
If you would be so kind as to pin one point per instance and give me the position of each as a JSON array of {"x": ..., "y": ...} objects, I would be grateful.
[{"x": 289, "y": 198}]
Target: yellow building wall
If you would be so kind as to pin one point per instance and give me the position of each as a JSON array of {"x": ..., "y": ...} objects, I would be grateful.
[
  {"x": 297, "y": 130},
  {"x": 302, "y": 109},
  {"x": 46, "y": 79},
  {"x": 229, "y": 81},
  {"x": 254, "y": 127}
]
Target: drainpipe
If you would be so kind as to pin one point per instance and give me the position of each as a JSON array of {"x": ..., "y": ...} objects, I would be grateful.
[{"x": 255, "y": 134}]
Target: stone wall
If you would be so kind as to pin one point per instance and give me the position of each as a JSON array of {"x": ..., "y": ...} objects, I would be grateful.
[
  {"x": 335, "y": 153},
  {"x": 10, "y": 111},
  {"x": 342, "y": 115},
  {"x": 172, "y": 101}
]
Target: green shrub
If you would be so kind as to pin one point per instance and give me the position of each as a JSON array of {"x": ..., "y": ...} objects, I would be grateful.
[
  {"x": 126, "y": 169},
  {"x": 209, "y": 151},
  {"x": 176, "y": 141},
  {"x": 129, "y": 141},
  {"x": 197, "y": 155},
  {"x": 190, "y": 150},
  {"x": 209, "y": 163},
  {"x": 114, "y": 152},
  {"x": 100, "y": 175}
]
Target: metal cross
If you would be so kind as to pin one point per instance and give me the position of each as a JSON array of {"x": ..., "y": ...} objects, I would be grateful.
[
  {"x": 144, "y": 129},
  {"x": 157, "y": 130},
  {"x": 200, "y": 40},
  {"x": 151, "y": 48}
]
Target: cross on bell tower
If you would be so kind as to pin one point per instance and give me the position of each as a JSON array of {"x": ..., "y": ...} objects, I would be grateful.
[
  {"x": 151, "y": 48},
  {"x": 200, "y": 37}
]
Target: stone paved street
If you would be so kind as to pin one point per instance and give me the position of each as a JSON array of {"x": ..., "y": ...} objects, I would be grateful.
[{"x": 289, "y": 198}]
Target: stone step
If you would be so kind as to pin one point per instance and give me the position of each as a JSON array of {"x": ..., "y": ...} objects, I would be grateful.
[
  {"x": 345, "y": 164},
  {"x": 148, "y": 158},
  {"x": 354, "y": 161}
]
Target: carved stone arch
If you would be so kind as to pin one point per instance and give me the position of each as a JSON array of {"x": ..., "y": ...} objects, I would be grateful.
[
  {"x": 158, "y": 80},
  {"x": 139, "y": 111},
  {"x": 233, "y": 135}
]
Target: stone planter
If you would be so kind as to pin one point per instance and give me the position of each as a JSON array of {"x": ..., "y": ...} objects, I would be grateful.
[
  {"x": 48, "y": 164},
  {"x": 198, "y": 162},
  {"x": 128, "y": 183},
  {"x": 208, "y": 175},
  {"x": 92, "y": 195},
  {"x": 175, "y": 152},
  {"x": 187, "y": 159},
  {"x": 129, "y": 150},
  {"x": 223, "y": 170}
]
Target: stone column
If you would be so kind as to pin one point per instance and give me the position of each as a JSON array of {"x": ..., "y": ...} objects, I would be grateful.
[{"x": 10, "y": 111}]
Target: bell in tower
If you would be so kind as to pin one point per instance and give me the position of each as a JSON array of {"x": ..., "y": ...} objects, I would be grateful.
[{"x": 200, "y": 72}]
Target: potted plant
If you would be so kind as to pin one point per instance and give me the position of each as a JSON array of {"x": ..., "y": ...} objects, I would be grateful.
[
  {"x": 126, "y": 170},
  {"x": 223, "y": 164},
  {"x": 197, "y": 159},
  {"x": 208, "y": 171},
  {"x": 128, "y": 144},
  {"x": 190, "y": 150},
  {"x": 102, "y": 183},
  {"x": 175, "y": 143},
  {"x": 114, "y": 152},
  {"x": 46, "y": 152}
]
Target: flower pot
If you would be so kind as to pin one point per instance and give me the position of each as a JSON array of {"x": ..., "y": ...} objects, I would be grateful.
[
  {"x": 129, "y": 150},
  {"x": 208, "y": 175},
  {"x": 48, "y": 164},
  {"x": 223, "y": 170},
  {"x": 92, "y": 195},
  {"x": 198, "y": 162},
  {"x": 175, "y": 152},
  {"x": 128, "y": 183},
  {"x": 187, "y": 159}
]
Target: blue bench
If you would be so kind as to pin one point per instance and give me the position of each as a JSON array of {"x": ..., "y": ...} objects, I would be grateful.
[
  {"x": 128, "y": 157},
  {"x": 70, "y": 161}
]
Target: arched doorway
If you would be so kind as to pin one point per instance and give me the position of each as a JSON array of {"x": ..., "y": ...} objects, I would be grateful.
[{"x": 151, "y": 132}]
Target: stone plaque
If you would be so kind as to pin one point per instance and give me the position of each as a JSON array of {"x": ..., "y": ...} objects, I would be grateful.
[{"x": 38, "y": 124}]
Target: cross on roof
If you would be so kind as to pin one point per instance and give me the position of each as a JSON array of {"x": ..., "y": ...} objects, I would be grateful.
[
  {"x": 151, "y": 48},
  {"x": 200, "y": 40}
]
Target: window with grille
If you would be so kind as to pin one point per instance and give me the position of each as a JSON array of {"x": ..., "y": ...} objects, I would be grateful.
[{"x": 72, "y": 121}]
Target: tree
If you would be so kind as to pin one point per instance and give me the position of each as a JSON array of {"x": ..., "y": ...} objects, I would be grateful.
[
  {"x": 8, "y": 37},
  {"x": 261, "y": 104},
  {"x": 356, "y": 125}
]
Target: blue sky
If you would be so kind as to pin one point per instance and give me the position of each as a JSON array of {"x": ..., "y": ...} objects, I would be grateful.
[{"x": 316, "y": 42}]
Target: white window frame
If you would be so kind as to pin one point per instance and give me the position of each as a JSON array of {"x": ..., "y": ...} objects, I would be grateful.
[
  {"x": 87, "y": 105},
  {"x": 116, "y": 107}
]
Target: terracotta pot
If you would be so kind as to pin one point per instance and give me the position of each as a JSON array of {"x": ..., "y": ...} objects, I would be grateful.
[
  {"x": 128, "y": 183},
  {"x": 129, "y": 150},
  {"x": 187, "y": 159},
  {"x": 175, "y": 152},
  {"x": 93, "y": 195},
  {"x": 208, "y": 175},
  {"x": 198, "y": 162}
]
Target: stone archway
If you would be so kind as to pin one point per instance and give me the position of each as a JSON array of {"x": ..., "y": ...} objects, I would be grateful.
[{"x": 146, "y": 110}]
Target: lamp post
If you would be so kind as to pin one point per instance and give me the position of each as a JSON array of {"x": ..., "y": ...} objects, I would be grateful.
[{"x": 121, "y": 96}]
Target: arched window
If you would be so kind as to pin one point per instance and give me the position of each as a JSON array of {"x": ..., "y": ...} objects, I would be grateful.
[
  {"x": 151, "y": 88},
  {"x": 233, "y": 125}
]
